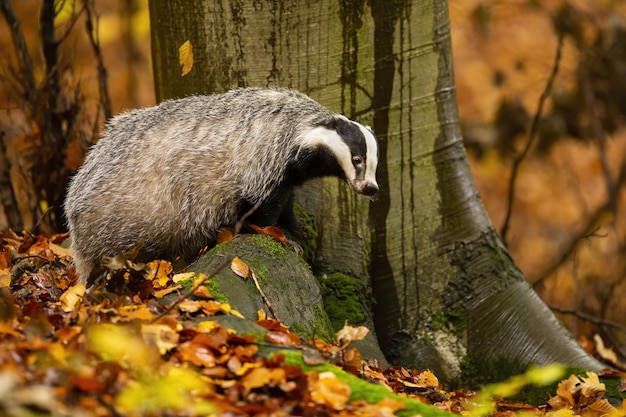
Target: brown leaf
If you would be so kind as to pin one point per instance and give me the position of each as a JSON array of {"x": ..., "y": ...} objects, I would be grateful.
[
  {"x": 272, "y": 231},
  {"x": 197, "y": 354},
  {"x": 260, "y": 377},
  {"x": 240, "y": 268},
  {"x": 224, "y": 234},
  {"x": 282, "y": 338}
]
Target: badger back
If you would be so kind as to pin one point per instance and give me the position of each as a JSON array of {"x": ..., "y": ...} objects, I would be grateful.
[{"x": 169, "y": 176}]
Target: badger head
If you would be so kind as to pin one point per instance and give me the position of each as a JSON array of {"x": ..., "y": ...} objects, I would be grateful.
[{"x": 343, "y": 148}]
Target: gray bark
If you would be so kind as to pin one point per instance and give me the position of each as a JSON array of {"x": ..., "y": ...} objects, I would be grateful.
[{"x": 447, "y": 293}]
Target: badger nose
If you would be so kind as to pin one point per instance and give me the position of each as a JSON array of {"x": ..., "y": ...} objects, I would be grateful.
[{"x": 370, "y": 188}]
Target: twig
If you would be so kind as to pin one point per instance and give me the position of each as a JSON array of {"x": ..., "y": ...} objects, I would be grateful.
[
  {"x": 247, "y": 214},
  {"x": 588, "y": 317},
  {"x": 193, "y": 289},
  {"x": 598, "y": 132},
  {"x": 534, "y": 128},
  {"x": 25, "y": 61},
  {"x": 92, "y": 33},
  {"x": 263, "y": 296},
  {"x": 584, "y": 231}
]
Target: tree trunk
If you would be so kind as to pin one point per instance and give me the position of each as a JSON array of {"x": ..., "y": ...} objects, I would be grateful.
[{"x": 448, "y": 296}]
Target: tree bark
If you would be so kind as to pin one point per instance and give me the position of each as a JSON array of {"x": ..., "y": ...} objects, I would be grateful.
[{"x": 448, "y": 296}]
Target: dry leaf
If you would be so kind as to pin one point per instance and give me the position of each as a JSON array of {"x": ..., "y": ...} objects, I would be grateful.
[
  {"x": 185, "y": 58},
  {"x": 272, "y": 231},
  {"x": 224, "y": 234},
  {"x": 240, "y": 268},
  {"x": 330, "y": 391},
  {"x": 72, "y": 297},
  {"x": 351, "y": 334}
]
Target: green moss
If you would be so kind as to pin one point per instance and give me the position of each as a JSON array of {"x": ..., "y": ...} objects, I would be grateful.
[
  {"x": 309, "y": 245},
  {"x": 344, "y": 299},
  {"x": 362, "y": 390},
  {"x": 214, "y": 289},
  {"x": 275, "y": 248},
  {"x": 319, "y": 327}
]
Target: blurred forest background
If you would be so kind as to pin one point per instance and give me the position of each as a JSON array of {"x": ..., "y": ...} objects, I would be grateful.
[{"x": 552, "y": 185}]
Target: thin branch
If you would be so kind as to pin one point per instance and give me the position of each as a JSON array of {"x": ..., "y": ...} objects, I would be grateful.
[
  {"x": 25, "y": 61},
  {"x": 92, "y": 32},
  {"x": 534, "y": 128},
  {"x": 263, "y": 296},
  {"x": 598, "y": 132},
  {"x": 588, "y": 317},
  {"x": 586, "y": 231},
  {"x": 239, "y": 223}
]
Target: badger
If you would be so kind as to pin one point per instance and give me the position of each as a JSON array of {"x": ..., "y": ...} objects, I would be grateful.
[{"x": 164, "y": 179}]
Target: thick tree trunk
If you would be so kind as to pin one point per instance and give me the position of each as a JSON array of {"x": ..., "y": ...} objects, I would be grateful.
[{"x": 447, "y": 293}]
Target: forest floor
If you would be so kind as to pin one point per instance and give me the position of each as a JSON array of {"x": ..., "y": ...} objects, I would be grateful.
[{"x": 151, "y": 342}]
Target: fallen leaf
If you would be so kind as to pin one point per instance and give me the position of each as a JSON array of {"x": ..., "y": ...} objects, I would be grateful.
[
  {"x": 225, "y": 234},
  {"x": 274, "y": 232},
  {"x": 240, "y": 268},
  {"x": 329, "y": 391},
  {"x": 72, "y": 297},
  {"x": 349, "y": 334}
]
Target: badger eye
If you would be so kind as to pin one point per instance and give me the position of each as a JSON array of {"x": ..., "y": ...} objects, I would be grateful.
[{"x": 357, "y": 160}]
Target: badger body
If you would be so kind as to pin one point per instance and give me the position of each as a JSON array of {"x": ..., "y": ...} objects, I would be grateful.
[{"x": 166, "y": 178}]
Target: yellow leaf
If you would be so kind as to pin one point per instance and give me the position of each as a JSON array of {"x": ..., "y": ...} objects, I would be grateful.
[
  {"x": 5, "y": 279},
  {"x": 183, "y": 276},
  {"x": 185, "y": 58},
  {"x": 236, "y": 314},
  {"x": 72, "y": 297},
  {"x": 591, "y": 385},
  {"x": 121, "y": 344}
]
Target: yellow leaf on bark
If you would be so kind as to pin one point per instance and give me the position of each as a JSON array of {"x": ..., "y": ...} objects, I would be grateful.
[{"x": 185, "y": 58}]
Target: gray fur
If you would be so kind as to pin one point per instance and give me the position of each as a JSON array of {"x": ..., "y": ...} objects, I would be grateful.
[{"x": 169, "y": 176}]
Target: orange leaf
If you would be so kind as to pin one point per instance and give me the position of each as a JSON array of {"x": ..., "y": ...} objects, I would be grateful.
[
  {"x": 329, "y": 391},
  {"x": 282, "y": 338},
  {"x": 240, "y": 268},
  {"x": 72, "y": 297},
  {"x": 272, "y": 231},
  {"x": 224, "y": 234},
  {"x": 260, "y": 377},
  {"x": 197, "y": 354}
]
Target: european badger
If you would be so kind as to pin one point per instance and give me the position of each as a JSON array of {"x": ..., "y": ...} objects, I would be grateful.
[{"x": 167, "y": 177}]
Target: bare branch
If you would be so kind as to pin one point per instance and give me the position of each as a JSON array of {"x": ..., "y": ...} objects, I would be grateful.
[
  {"x": 92, "y": 33},
  {"x": 588, "y": 317},
  {"x": 25, "y": 61},
  {"x": 534, "y": 128}
]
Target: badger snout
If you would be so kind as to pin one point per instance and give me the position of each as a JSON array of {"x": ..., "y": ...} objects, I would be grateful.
[{"x": 368, "y": 188}]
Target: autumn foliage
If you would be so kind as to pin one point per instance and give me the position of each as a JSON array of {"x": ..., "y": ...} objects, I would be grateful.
[{"x": 159, "y": 346}]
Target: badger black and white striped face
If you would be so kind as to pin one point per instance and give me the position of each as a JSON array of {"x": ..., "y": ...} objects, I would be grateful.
[{"x": 355, "y": 149}]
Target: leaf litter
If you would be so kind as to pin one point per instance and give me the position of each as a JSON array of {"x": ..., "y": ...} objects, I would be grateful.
[{"x": 145, "y": 346}]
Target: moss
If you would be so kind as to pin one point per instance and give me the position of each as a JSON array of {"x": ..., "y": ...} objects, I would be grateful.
[
  {"x": 214, "y": 289},
  {"x": 362, "y": 390},
  {"x": 275, "y": 248},
  {"x": 344, "y": 300},
  {"x": 309, "y": 245}
]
